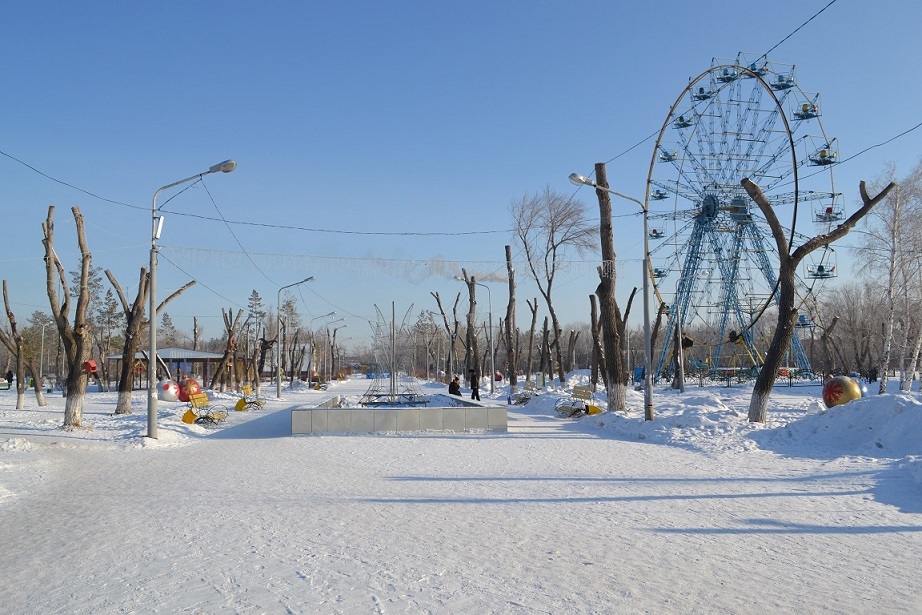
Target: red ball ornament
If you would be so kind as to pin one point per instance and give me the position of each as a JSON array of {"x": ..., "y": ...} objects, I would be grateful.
[{"x": 187, "y": 387}]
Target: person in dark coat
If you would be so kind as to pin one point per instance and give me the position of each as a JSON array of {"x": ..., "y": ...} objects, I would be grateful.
[
  {"x": 475, "y": 385},
  {"x": 9, "y": 377},
  {"x": 454, "y": 387}
]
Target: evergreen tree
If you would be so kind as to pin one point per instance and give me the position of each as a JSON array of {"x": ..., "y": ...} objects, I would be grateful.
[
  {"x": 256, "y": 311},
  {"x": 168, "y": 335}
]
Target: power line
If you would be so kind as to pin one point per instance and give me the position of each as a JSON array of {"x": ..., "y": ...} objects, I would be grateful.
[
  {"x": 237, "y": 239},
  {"x": 882, "y": 143},
  {"x": 798, "y": 28},
  {"x": 341, "y": 231},
  {"x": 64, "y": 183},
  {"x": 208, "y": 288},
  {"x": 778, "y": 44},
  {"x": 258, "y": 224}
]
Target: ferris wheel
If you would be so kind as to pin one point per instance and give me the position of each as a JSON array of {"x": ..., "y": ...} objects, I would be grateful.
[{"x": 712, "y": 257}]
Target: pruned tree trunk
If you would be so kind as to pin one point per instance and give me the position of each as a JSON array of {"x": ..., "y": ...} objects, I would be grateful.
[
  {"x": 451, "y": 333},
  {"x": 472, "y": 358},
  {"x": 787, "y": 310},
  {"x": 265, "y": 347},
  {"x": 529, "y": 366},
  {"x": 609, "y": 313},
  {"x": 230, "y": 349},
  {"x": 77, "y": 340},
  {"x": 511, "y": 357},
  {"x": 598, "y": 355},
  {"x": 826, "y": 343},
  {"x": 545, "y": 353},
  {"x": 134, "y": 327},
  {"x": 24, "y": 360}
]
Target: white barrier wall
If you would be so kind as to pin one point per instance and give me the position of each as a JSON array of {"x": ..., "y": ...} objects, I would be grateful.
[{"x": 374, "y": 420}]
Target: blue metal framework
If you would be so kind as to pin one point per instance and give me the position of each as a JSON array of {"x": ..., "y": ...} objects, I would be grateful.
[{"x": 718, "y": 265}]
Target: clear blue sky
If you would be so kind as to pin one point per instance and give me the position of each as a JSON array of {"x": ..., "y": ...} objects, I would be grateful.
[{"x": 373, "y": 117}]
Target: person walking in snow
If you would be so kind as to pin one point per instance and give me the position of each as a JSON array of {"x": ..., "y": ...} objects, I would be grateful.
[{"x": 475, "y": 385}]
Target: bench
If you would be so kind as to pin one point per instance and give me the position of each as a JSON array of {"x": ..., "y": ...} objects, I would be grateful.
[
  {"x": 578, "y": 403},
  {"x": 529, "y": 390},
  {"x": 202, "y": 412},
  {"x": 249, "y": 401},
  {"x": 5, "y": 386}
]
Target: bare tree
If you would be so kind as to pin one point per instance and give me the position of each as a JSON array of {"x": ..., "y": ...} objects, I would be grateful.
[
  {"x": 77, "y": 339},
  {"x": 225, "y": 371},
  {"x": 533, "y": 307},
  {"x": 546, "y": 367},
  {"x": 510, "y": 321},
  {"x": 787, "y": 309},
  {"x": 25, "y": 360},
  {"x": 471, "y": 357},
  {"x": 451, "y": 332},
  {"x": 547, "y": 226},
  {"x": 909, "y": 372},
  {"x": 826, "y": 342},
  {"x": 613, "y": 324},
  {"x": 598, "y": 355},
  {"x": 134, "y": 324},
  {"x": 854, "y": 340},
  {"x": 890, "y": 249},
  {"x": 883, "y": 250}
]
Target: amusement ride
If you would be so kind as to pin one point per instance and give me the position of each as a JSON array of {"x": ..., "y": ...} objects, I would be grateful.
[{"x": 712, "y": 258}]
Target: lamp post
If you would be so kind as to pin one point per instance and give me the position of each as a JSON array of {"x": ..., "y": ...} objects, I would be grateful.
[
  {"x": 333, "y": 348},
  {"x": 156, "y": 226},
  {"x": 280, "y": 338},
  {"x": 490, "y": 317},
  {"x": 581, "y": 180}
]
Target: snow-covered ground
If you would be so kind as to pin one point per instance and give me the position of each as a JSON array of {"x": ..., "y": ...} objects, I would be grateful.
[{"x": 696, "y": 512}]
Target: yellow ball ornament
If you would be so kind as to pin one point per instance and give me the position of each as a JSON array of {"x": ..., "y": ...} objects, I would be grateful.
[{"x": 840, "y": 390}]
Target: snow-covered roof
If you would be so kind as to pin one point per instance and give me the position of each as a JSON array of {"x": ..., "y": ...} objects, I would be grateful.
[{"x": 175, "y": 354}]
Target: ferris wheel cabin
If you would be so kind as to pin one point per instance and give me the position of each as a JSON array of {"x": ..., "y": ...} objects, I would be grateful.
[
  {"x": 667, "y": 156},
  {"x": 702, "y": 94},
  {"x": 830, "y": 213},
  {"x": 782, "y": 82},
  {"x": 807, "y": 111},
  {"x": 823, "y": 156}
]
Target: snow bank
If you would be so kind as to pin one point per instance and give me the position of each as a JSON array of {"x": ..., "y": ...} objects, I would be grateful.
[{"x": 886, "y": 426}]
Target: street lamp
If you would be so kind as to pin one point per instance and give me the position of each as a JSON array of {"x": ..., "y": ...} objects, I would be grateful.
[
  {"x": 490, "y": 315},
  {"x": 581, "y": 180},
  {"x": 280, "y": 338},
  {"x": 332, "y": 349},
  {"x": 156, "y": 226}
]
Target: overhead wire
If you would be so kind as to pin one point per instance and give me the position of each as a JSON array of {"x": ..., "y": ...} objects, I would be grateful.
[
  {"x": 778, "y": 44},
  {"x": 234, "y": 235},
  {"x": 197, "y": 281}
]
